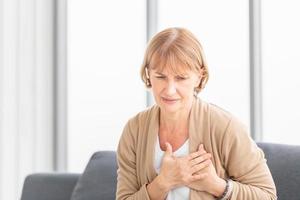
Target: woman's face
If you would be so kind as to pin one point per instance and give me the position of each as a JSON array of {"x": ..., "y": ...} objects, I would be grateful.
[{"x": 173, "y": 92}]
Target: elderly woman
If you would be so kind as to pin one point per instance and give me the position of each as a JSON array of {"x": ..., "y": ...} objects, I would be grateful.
[{"x": 183, "y": 147}]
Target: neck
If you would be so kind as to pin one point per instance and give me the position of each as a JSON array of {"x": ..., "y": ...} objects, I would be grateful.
[
  {"x": 174, "y": 122},
  {"x": 177, "y": 122}
]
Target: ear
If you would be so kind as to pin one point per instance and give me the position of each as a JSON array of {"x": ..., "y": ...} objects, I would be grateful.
[
  {"x": 199, "y": 77},
  {"x": 198, "y": 80},
  {"x": 147, "y": 73},
  {"x": 148, "y": 83}
]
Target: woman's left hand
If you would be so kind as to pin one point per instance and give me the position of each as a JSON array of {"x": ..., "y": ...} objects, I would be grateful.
[{"x": 211, "y": 183}]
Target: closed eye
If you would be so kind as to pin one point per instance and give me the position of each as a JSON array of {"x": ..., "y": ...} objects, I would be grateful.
[
  {"x": 160, "y": 77},
  {"x": 181, "y": 78}
]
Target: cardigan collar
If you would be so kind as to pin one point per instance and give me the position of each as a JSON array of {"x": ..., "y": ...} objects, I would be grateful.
[{"x": 153, "y": 128}]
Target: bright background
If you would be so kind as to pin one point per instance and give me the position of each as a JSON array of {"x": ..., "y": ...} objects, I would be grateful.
[
  {"x": 69, "y": 73},
  {"x": 106, "y": 46}
]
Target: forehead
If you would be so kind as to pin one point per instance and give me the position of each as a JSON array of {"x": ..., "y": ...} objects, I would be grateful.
[
  {"x": 169, "y": 64},
  {"x": 168, "y": 72}
]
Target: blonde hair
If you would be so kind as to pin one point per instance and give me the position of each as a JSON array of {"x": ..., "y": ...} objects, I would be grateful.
[{"x": 178, "y": 50}]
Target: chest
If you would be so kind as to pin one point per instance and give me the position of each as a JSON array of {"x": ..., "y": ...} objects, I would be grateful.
[{"x": 176, "y": 140}]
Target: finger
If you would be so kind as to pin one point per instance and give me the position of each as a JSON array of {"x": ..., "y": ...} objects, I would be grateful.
[
  {"x": 194, "y": 155},
  {"x": 201, "y": 148},
  {"x": 200, "y": 159},
  {"x": 197, "y": 177},
  {"x": 168, "y": 149},
  {"x": 200, "y": 166},
  {"x": 202, "y": 151}
]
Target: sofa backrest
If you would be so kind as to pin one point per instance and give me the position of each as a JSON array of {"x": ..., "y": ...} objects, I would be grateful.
[
  {"x": 49, "y": 186},
  {"x": 284, "y": 164},
  {"x": 283, "y": 161},
  {"x": 99, "y": 179}
]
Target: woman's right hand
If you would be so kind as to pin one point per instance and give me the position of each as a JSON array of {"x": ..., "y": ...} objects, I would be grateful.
[{"x": 179, "y": 171}]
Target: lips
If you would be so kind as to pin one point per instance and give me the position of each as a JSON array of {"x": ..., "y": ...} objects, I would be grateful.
[{"x": 169, "y": 100}]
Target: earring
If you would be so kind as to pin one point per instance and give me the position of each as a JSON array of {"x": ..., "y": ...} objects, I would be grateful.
[
  {"x": 148, "y": 82},
  {"x": 195, "y": 92},
  {"x": 147, "y": 77}
]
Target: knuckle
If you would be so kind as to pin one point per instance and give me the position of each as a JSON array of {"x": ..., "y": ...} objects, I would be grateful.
[
  {"x": 201, "y": 159},
  {"x": 197, "y": 168},
  {"x": 200, "y": 166},
  {"x": 208, "y": 162},
  {"x": 204, "y": 175},
  {"x": 192, "y": 163}
]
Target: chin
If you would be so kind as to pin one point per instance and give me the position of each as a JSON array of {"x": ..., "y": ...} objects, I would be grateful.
[{"x": 170, "y": 108}]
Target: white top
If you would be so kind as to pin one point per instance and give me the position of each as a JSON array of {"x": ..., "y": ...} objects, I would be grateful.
[{"x": 179, "y": 193}]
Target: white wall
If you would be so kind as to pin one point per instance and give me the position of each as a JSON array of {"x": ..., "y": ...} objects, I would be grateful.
[
  {"x": 26, "y": 93},
  {"x": 222, "y": 27},
  {"x": 106, "y": 42},
  {"x": 105, "y": 45},
  {"x": 281, "y": 71}
]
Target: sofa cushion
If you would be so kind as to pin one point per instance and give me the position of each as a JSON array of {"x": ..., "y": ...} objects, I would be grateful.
[
  {"x": 99, "y": 179},
  {"x": 49, "y": 186},
  {"x": 284, "y": 163}
]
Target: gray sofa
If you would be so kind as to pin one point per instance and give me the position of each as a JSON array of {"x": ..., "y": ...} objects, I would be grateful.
[{"x": 99, "y": 178}]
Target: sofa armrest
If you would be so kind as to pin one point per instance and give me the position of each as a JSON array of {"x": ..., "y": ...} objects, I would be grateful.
[{"x": 49, "y": 186}]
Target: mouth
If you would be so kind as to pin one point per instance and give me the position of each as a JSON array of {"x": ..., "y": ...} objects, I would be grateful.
[{"x": 169, "y": 100}]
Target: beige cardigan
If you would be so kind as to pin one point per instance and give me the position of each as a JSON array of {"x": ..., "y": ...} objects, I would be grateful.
[{"x": 234, "y": 154}]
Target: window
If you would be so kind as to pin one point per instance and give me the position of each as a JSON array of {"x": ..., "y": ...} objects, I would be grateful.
[
  {"x": 105, "y": 51},
  {"x": 280, "y": 64},
  {"x": 223, "y": 30}
]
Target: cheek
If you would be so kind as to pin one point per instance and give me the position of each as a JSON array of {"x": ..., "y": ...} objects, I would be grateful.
[
  {"x": 187, "y": 87},
  {"x": 156, "y": 88},
  {"x": 186, "y": 91}
]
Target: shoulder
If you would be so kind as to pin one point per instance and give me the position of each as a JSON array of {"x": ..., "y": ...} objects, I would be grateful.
[
  {"x": 227, "y": 124},
  {"x": 219, "y": 114},
  {"x": 220, "y": 120},
  {"x": 212, "y": 113},
  {"x": 142, "y": 117},
  {"x": 139, "y": 121}
]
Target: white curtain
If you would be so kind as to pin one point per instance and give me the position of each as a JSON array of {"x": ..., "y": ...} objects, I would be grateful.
[{"x": 26, "y": 92}]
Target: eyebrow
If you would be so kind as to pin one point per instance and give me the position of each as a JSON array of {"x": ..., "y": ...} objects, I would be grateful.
[
  {"x": 181, "y": 75},
  {"x": 159, "y": 73}
]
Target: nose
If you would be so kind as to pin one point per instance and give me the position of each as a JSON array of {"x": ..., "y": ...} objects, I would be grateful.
[{"x": 170, "y": 88}]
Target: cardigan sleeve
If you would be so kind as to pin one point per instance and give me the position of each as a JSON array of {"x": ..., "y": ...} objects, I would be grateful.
[
  {"x": 127, "y": 183},
  {"x": 246, "y": 165}
]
